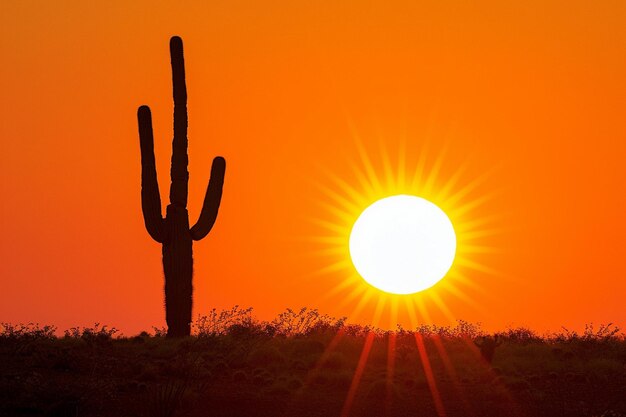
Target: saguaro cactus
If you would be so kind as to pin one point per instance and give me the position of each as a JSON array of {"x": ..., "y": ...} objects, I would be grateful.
[{"x": 173, "y": 231}]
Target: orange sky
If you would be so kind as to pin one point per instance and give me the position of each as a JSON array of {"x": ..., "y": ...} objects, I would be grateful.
[{"x": 528, "y": 95}]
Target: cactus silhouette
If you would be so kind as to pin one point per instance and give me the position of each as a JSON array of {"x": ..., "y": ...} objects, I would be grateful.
[{"x": 173, "y": 231}]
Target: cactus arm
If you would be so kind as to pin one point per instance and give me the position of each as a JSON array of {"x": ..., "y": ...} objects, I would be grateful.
[
  {"x": 150, "y": 197},
  {"x": 212, "y": 200},
  {"x": 179, "y": 173}
]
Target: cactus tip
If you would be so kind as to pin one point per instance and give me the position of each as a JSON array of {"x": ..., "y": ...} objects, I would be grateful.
[
  {"x": 143, "y": 110},
  {"x": 176, "y": 42},
  {"x": 219, "y": 166}
]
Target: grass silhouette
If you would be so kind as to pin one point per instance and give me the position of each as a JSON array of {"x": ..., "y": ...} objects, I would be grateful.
[{"x": 304, "y": 363}]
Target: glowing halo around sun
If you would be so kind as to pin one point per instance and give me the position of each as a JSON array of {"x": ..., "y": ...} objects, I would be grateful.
[
  {"x": 402, "y": 244},
  {"x": 406, "y": 277}
]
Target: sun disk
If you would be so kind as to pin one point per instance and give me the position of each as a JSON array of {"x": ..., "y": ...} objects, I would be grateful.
[{"x": 402, "y": 244}]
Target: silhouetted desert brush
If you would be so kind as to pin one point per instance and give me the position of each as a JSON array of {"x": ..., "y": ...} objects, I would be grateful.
[
  {"x": 519, "y": 335},
  {"x": 305, "y": 321},
  {"x": 602, "y": 334},
  {"x": 218, "y": 323},
  {"x": 19, "y": 337},
  {"x": 462, "y": 329},
  {"x": 95, "y": 334},
  {"x": 30, "y": 331},
  {"x": 239, "y": 365}
]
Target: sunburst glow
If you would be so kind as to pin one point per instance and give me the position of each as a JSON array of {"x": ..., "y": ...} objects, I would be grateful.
[
  {"x": 409, "y": 232},
  {"x": 402, "y": 244}
]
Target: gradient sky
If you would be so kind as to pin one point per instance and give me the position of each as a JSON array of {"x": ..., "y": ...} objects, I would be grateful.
[{"x": 528, "y": 97}]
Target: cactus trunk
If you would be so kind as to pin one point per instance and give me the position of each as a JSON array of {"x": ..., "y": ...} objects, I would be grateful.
[
  {"x": 178, "y": 270},
  {"x": 174, "y": 232}
]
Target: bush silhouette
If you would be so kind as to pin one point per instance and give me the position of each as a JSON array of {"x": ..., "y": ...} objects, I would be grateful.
[
  {"x": 173, "y": 231},
  {"x": 487, "y": 346},
  {"x": 237, "y": 367}
]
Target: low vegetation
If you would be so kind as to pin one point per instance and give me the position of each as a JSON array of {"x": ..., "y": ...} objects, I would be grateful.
[{"x": 305, "y": 363}]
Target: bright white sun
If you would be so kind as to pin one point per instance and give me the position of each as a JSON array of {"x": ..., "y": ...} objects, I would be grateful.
[{"x": 402, "y": 244}]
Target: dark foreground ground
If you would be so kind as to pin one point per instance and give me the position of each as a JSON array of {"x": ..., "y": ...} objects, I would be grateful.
[{"x": 311, "y": 369}]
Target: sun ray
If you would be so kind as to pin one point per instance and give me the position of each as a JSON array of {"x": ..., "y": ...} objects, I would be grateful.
[
  {"x": 337, "y": 266},
  {"x": 343, "y": 207},
  {"x": 391, "y": 363},
  {"x": 443, "y": 193},
  {"x": 478, "y": 222},
  {"x": 468, "y": 263},
  {"x": 457, "y": 275},
  {"x": 366, "y": 296},
  {"x": 472, "y": 205},
  {"x": 387, "y": 169},
  {"x": 451, "y": 371},
  {"x": 470, "y": 186},
  {"x": 342, "y": 286},
  {"x": 421, "y": 307},
  {"x": 352, "y": 194},
  {"x": 368, "y": 166},
  {"x": 334, "y": 251},
  {"x": 478, "y": 234},
  {"x": 330, "y": 239},
  {"x": 356, "y": 379},
  {"x": 401, "y": 170},
  {"x": 445, "y": 358},
  {"x": 378, "y": 311},
  {"x": 410, "y": 309},
  {"x": 430, "y": 377},
  {"x": 330, "y": 226},
  {"x": 358, "y": 373},
  {"x": 419, "y": 169},
  {"x": 480, "y": 249},
  {"x": 351, "y": 191},
  {"x": 462, "y": 278},
  {"x": 393, "y": 311},
  {"x": 442, "y": 307},
  {"x": 433, "y": 174},
  {"x": 358, "y": 291},
  {"x": 310, "y": 375},
  {"x": 424, "y": 357},
  {"x": 361, "y": 177},
  {"x": 454, "y": 290}
]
